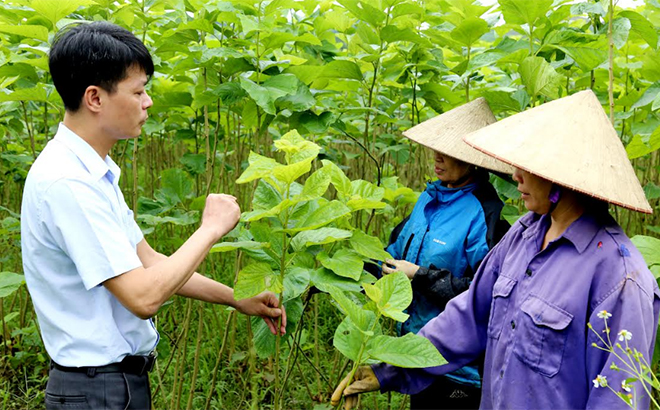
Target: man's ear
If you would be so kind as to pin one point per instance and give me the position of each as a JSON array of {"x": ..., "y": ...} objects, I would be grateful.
[{"x": 92, "y": 98}]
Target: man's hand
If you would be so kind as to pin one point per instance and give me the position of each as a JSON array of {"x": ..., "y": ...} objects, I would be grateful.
[
  {"x": 364, "y": 380},
  {"x": 400, "y": 266},
  {"x": 265, "y": 305},
  {"x": 221, "y": 214}
]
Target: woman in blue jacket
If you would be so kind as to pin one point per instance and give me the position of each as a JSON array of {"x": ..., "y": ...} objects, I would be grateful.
[{"x": 439, "y": 246}]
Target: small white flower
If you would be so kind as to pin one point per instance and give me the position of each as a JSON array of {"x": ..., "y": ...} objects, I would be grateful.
[
  {"x": 604, "y": 314},
  {"x": 625, "y": 386},
  {"x": 624, "y": 335},
  {"x": 600, "y": 381}
]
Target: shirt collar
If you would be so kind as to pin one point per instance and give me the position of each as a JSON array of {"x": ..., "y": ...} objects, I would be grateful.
[
  {"x": 96, "y": 166},
  {"x": 580, "y": 233}
]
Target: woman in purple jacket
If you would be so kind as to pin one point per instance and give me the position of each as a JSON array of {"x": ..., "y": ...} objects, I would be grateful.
[{"x": 562, "y": 268}]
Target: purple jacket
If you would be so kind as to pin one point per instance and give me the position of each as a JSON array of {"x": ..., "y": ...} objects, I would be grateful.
[{"x": 528, "y": 311}]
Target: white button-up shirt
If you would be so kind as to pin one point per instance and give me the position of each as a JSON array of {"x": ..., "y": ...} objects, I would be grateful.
[{"x": 76, "y": 233}]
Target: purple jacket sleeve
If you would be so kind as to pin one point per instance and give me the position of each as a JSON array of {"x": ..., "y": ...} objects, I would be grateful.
[{"x": 459, "y": 333}]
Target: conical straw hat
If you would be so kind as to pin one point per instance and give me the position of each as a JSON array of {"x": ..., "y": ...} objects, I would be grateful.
[
  {"x": 445, "y": 133},
  {"x": 569, "y": 141}
]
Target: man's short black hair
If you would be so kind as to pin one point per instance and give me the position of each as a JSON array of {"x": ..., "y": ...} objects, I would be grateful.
[{"x": 98, "y": 53}]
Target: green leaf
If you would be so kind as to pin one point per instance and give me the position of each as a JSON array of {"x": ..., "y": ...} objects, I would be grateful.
[
  {"x": 301, "y": 100},
  {"x": 265, "y": 196},
  {"x": 325, "y": 280},
  {"x": 364, "y": 11},
  {"x": 9, "y": 283},
  {"x": 538, "y": 77},
  {"x": 338, "y": 179},
  {"x": 409, "y": 351},
  {"x": 296, "y": 281},
  {"x": 393, "y": 33},
  {"x": 55, "y": 10},
  {"x": 341, "y": 69},
  {"x": 649, "y": 247},
  {"x": 348, "y": 339},
  {"x": 620, "y": 31},
  {"x": 640, "y": 25},
  {"x": 344, "y": 263},
  {"x": 232, "y": 246},
  {"x": 324, "y": 215},
  {"x": 316, "y": 185},
  {"x": 175, "y": 99},
  {"x": 29, "y": 31},
  {"x": 260, "y": 95},
  {"x": 296, "y": 147},
  {"x": 652, "y": 191},
  {"x": 259, "y": 167},
  {"x": 361, "y": 318},
  {"x": 469, "y": 31},
  {"x": 264, "y": 341},
  {"x": 586, "y": 56},
  {"x": 256, "y": 278},
  {"x": 281, "y": 85},
  {"x": 368, "y": 246},
  {"x": 318, "y": 237},
  {"x": 524, "y": 11},
  {"x": 25, "y": 94},
  {"x": 643, "y": 145},
  {"x": 289, "y": 173},
  {"x": 394, "y": 295},
  {"x": 176, "y": 185}
]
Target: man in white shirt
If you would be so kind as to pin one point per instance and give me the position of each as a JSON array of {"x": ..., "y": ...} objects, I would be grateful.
[{"x": 94, "y": 280}]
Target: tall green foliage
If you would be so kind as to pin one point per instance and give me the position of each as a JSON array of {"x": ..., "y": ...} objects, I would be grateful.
[{"x": 234, "y": 77}]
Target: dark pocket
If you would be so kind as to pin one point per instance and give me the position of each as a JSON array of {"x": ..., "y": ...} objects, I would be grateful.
[
  {"x": 57, "y": 402},
  {"x": 543, "y": 330},
  {"x": 500, "y": 304}
]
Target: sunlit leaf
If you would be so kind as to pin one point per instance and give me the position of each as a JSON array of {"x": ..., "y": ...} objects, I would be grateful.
[
  {"x": 320, "y": 236},
  {"x": 324, "y": 215},
  {"x": 368, "y": 246},
  {"x": 344, "y": 262},
  {"x": 539, "y": 77},
  {"x": 259, "y": 167},
  {"x": 232, "y": 246},
  {"x": 256, "y": 278},
  {"x": 30, "y": 31},
  {"x": 409, "y": 351},
  {"x": 469, "y": 31},
  {"x": 640, "y": 25}
]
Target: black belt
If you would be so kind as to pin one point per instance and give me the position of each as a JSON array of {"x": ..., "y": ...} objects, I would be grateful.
[{"x": 139, "y": 365}]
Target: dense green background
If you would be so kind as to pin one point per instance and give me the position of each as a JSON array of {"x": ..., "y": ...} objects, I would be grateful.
[{"x": 232, "y": 77}]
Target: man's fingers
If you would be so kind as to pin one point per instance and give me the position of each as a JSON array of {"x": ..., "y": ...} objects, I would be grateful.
[{"x": 271, "y": 326}]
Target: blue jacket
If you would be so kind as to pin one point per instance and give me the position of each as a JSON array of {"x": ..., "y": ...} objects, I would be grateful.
[{"x": 448, "y": 233}]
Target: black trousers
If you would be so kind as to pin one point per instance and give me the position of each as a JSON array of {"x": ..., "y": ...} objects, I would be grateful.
[
  {"x": 104, "y": 391},
  {"x": 445, "y": 394}
]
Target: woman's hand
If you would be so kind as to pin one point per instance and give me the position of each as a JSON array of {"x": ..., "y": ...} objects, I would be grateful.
[
  {"x": 364, "y": 380},
  {"x": 400, "y": 266}
]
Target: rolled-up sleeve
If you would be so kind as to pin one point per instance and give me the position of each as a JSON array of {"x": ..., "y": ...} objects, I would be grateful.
[{"x": 81, "y": 221}]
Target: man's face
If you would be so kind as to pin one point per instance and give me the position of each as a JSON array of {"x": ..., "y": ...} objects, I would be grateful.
[{"x": 125, "y": 110}]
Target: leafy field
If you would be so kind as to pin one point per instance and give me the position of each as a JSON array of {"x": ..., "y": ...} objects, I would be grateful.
[{"x": 297, "y": 108}]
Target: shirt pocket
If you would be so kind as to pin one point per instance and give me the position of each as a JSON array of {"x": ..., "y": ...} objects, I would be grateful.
[
  {"x": 543, "y": 329},
  {"x": 500, "y": 305}
]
